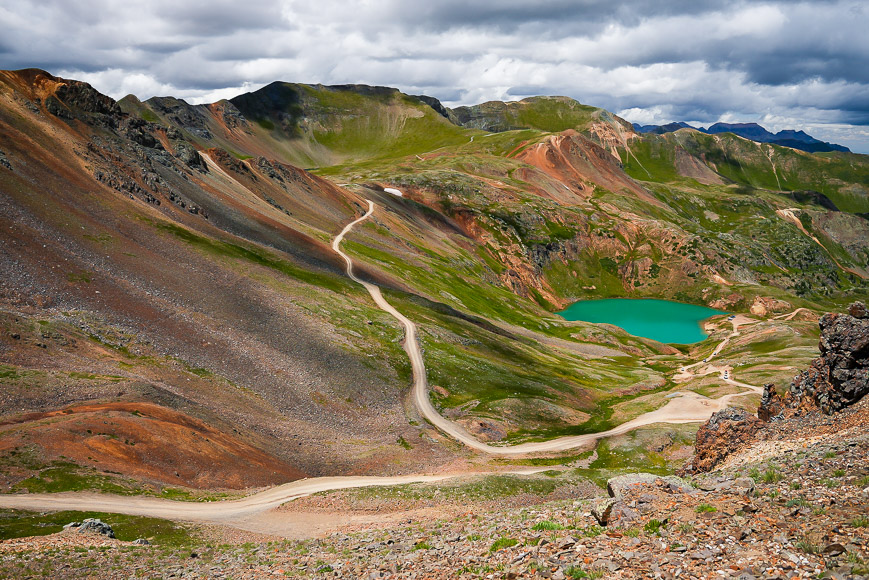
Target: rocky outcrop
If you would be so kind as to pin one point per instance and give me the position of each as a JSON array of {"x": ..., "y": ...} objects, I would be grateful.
[
  {"x": 765, "y": 305},
  {"x": 725, "y": 432},
  {"x": 728, "y": 302},
  {"x": 836, "y": 379},
  {"x": 189, "y": 156}
]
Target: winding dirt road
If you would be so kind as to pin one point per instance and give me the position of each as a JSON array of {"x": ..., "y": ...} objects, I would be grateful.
[
  {"x": 257, "y": 512},
  {"x": 684, "y": 407}
]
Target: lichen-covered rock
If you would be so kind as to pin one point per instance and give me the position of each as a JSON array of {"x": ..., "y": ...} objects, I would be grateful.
[
  {"x": 602, "y": 508},
  {"x": 617, "y": 486},
  {"x": 725, "y": 432}
]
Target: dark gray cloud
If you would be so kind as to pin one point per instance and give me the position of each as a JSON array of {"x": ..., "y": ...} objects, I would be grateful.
[
  {"x": 787, "y": 64},
  {"x": 565, "y": 17}
]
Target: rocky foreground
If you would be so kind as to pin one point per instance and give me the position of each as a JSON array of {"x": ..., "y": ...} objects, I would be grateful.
[
  {"x": 796, "y": 508},
  {"x": 783, "y": 497}
]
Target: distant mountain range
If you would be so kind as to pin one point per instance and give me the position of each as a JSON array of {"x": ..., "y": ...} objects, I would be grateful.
[{"x": 786, "y": 138}]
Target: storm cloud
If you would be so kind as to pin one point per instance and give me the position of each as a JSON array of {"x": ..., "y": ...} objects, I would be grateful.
[{"x": 801, "y": 65}]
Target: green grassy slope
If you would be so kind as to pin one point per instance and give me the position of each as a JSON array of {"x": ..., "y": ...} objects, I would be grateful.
[{"x": 842, "y": 177}]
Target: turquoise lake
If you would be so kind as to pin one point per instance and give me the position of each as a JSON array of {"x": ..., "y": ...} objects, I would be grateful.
[{"x": 661, "y": 320}]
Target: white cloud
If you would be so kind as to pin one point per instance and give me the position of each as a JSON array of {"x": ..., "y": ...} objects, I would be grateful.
[{"x": 807, "y": 62}]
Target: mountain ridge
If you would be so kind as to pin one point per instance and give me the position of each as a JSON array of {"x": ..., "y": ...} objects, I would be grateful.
[{"x": 785, "y": 138}]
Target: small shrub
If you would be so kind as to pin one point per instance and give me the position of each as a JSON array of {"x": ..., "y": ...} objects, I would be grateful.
[
  {"x": 705, "y": 508},
  {"x": 858, "y": 565},
  {"x": 830, "y": 454},
  {"x": 591, "y": 531},
  {"x": 577, "y": 572},
  {"x": 861, "y": 522},
  {"x": 797, "y": 501},
  {"x": 547, "y": 525},
  {"x": 502, "y": 543},
  {"x": 771, "y": 475},
  {"x": 796, "y": 485},
  {"x": 422, "y": 545},
  {"x": 631, "y": 532},
  {"x": 653, "y": 526},
  {"x": 839, "y": 473},
  {"x": 807, "y": 545}
]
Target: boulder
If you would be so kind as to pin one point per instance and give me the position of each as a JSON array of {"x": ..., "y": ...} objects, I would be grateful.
[
  {"x": 617, "y": 487},
  {"x": 601, "y": 510},
  {"x": 92, "y": 526}
]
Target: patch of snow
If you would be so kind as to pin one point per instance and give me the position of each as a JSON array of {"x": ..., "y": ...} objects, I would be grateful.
[{"x": 393, "y": 191}]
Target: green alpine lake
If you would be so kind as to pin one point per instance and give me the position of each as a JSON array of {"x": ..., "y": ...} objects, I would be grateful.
[{"x": 661, "y": 320}]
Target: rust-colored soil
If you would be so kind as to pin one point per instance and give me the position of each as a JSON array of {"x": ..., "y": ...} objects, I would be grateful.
[
  {"x": 578, "y": 164},
  {"x": 147, "y": 442}
]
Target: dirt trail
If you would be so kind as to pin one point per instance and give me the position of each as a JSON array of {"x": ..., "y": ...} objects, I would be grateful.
[
  {"x": 791, "y": 315},
  {"x": 246, "y": 513},
  {"x": 684, "y": 407}
]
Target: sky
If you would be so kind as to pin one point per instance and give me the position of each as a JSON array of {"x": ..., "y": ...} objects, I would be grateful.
[{"x": 785, "y": 65}]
